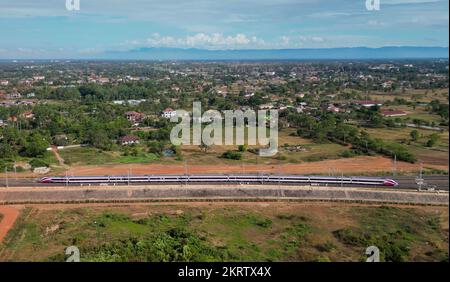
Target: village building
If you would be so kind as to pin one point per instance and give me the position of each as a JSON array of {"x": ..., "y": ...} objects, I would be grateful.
[
  {"x": 266, "y": 107},
  {"x": 134, "y": 116},
  {"x": 102, "y": 80},
  {"x": 223, "y": 90},
  {"x": 368, "y": 103},
  {"x": 333, "y": 109},
  {"x": 14, "y": 95},
  {"x": 129, "y": 140},
  {"x": 38, "y": 77},
  {"x": 168, "y": 113},
  {"x": 387, "y": 84},
  {"x": 12, "y": 118},
  {"x": 28, "y": 115},
  {"x": 392, "y": 113}
]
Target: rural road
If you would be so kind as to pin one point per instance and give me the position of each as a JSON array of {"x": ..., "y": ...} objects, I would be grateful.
[{"x": 405, "y": 182}]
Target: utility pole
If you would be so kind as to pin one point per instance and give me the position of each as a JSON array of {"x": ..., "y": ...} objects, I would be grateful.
[
  {"x": 279, "y": 176},
  {"x": 128, "y": 176},
  {"x": 15, "y": 170},
  {"x": 420, "y": 180},
  {"x": 421, "y": 170},
  {"x": 394, "y": 169},
  {"x": 6, "y": 173},
  {"x": 185, "y": 172}
]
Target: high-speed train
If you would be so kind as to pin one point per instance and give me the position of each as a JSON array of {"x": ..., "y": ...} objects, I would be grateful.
[{"x": 243, "y": 179}]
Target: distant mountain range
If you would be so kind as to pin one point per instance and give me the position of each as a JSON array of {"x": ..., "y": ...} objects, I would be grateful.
[{"x": 359, "y": 53}]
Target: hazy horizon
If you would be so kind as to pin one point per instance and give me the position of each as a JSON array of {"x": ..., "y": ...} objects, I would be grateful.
[{"x": 47, "y": 29}]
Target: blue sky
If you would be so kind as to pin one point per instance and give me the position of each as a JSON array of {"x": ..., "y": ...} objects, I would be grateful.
[{"x": 44, "y": 28}]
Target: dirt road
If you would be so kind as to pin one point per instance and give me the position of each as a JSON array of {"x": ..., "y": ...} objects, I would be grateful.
[{"x": 58, "y": 156}]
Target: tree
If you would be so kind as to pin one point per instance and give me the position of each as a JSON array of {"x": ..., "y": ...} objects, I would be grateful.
[
  {"x": 35, "y": 146},
  {"x": 99, "y": 139},
  {"x": 134, "y": 152},
  {"x": 6, "y": 151},
  {"x": 155, "y": 147},
  {"x": 414, "y": 135},
  {"x": 434, "y": 138}
]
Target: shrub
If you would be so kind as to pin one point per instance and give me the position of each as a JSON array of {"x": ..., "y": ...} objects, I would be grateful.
[
  {"x": 414, "y": 135},
  {"x": 326, "y": 247},
  {"x": 281, "y": 158},
  {"x": 433, "y": 140},
  {"x": 232, "y": 155},
  {"x": 243, "y": 148},
  {"x": 5, "y": 164},
  {"x": 348, "y": 154},
  {"x": 38, "y": 163}
]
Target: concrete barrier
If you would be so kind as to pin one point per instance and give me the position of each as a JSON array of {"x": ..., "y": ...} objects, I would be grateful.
[{"x": 226, "y": 192}]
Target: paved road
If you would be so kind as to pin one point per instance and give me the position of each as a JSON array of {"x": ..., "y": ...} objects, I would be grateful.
[
  {"x": 439, "y": 182},
  {"x": 405, "y": 182}
]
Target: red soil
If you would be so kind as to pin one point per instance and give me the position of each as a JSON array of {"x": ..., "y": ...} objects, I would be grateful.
[
  {"x": 358, "y": 165},
  {"x": 10, "y": 215}
]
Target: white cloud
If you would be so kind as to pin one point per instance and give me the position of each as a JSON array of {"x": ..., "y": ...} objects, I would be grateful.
[
  {"x": 201, "y": 40},
  {"x": 219, "y": 41},
  {"x": 298, "y": 41}
]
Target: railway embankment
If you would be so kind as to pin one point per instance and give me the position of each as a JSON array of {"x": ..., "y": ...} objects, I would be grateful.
[{"x": 216, "y": 193}]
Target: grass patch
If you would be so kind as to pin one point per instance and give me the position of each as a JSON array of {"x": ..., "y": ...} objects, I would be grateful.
[
  {"x": 142, "y": 158},
  {"x": 394, "y": 231},
  {"x": 277, "y": 232},
  {"x": 86, "y": 155}
]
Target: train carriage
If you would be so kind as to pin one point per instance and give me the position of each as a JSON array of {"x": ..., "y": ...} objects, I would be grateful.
[{"x": 258, "y": 179}]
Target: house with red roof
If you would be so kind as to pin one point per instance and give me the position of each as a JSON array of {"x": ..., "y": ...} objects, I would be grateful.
[
  {"x": 129, "y": 140},
  {"x": 168, "y": 113},
  {"x": 134, "y": 116},
  {"x": 392, "y": 113}
]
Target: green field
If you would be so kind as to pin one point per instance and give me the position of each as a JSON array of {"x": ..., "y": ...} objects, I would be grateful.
[
  {"x": 85, "y": 155},
  {"x": 229, "y": 232},
  {"x": 92, "y": 156},
  {"x": 437, "y": 154},
  {"x": 194, "y": 154}
]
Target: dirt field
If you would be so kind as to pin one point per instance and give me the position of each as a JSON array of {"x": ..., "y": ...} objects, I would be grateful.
[
  {"x": 10, "y": 215},
  {"x": 359, "y": 165},
  {"x": 364, "y": 165}
]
